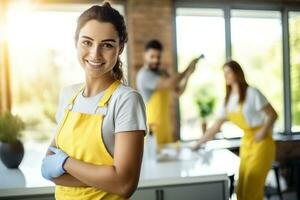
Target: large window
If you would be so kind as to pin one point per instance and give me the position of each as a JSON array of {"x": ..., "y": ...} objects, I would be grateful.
[
  {"x": 255, "y": 39},
  {"x": 294, "y": 24},
  {"x": 199, "y": 31},
  {"x": 43, "y": 60},
  {"x": 257, "y": 45}
]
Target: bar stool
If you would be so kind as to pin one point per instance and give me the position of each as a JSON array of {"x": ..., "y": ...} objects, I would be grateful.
[
  {"x": 270, "y": 191},
  {"x": 295, "y": 165}
]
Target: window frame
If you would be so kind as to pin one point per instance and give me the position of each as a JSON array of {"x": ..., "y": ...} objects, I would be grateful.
[{"x": 284, "y": 10}]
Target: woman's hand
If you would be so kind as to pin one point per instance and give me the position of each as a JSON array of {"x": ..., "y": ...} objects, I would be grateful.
[
  {"x": 260, "y": 135},
  {"x": 53, "y": 165},
  {"x": 196, "y": 146},
  {"x": 271, "y": 117},
  {"x": 210, "y": 133}
]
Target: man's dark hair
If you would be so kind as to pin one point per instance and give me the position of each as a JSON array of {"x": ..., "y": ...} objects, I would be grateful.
[{"x": 154, "y": 44}]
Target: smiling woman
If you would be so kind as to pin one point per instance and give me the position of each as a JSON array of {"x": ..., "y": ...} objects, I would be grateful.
[
  {"x": 46, "y": 54},
  {"x": 97, "y": 151}
]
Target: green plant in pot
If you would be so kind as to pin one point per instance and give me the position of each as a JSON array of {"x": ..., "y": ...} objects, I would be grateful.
[
  {"x": 205, "y": 102},
  {"x": 11, "y": 148}
]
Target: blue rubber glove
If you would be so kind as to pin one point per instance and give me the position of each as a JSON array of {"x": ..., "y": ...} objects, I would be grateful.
[{"x": 52, "y": 166}]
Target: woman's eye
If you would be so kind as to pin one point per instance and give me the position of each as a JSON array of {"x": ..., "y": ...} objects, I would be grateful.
[
  {"x": 107, "y": 45},
  {"x": 87, "y": 43}
]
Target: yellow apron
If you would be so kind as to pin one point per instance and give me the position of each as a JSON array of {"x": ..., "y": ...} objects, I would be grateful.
[
  {"x": 158, "y": 116},
  {"x": 256, "y": 159},
  {"x": 80, "y": 136}
]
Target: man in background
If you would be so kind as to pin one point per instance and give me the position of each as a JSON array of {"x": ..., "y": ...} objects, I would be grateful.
[{"x": 156, "y": 86}]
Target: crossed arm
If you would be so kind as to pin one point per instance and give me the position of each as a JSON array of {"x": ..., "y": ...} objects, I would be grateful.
[{"x": 121, "y": 178}]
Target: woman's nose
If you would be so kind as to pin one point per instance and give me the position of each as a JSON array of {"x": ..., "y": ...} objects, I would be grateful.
[{"x": 96, "y": 52}]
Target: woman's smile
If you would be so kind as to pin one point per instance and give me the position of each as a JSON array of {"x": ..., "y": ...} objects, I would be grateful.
[{"x": 94, "y": 65}]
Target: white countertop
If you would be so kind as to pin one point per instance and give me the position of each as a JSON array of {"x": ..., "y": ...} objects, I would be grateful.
[
  {"x": 183, "y": 166},
  {"x": 207, "y": 164}
]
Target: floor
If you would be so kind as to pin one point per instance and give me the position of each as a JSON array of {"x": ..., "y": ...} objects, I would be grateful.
[
  {"x": 286, "y": 196},
  {"x": 271, "y": 181}
]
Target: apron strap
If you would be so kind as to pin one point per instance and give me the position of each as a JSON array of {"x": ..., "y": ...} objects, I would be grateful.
[
  {"x": 108, "y": 92},
  {"x": 240, "y": 108},
  {"x": 72, "y": 99},
  {"x": 103, "y": 101}
]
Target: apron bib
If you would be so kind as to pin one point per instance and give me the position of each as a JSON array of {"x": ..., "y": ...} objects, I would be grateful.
[
  {"x": 80, "y": 136},
  {"x": 256, "y": 159},
  {"x": 158, "y": 116}
]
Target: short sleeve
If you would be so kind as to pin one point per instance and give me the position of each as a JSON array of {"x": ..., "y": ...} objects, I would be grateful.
[
  {"x": 64, "y": 95},
  {"x": 130, "y": 113},
  {"x": 259, "y": 100}
]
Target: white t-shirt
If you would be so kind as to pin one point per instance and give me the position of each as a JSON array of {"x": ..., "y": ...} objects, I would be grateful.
[
  {"x": 146, "y": 81},
  {"x": 125, "y": 110},
  {"x": 254, "y": 102}
]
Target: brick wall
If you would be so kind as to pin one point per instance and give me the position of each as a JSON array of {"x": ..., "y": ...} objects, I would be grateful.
[{"x": 146, "y": 20}]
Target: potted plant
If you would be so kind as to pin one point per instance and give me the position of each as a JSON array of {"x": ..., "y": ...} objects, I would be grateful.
[
  {"x": 11, "y": 149},
  {"x": 205, "y": 102}
]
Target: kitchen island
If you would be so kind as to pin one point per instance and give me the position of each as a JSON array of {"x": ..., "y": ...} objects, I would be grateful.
[{"x": 174, "y": 174}]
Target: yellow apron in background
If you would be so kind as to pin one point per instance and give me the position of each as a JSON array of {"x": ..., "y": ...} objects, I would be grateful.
[
  {"x": 80, "y": 136},
  {"x": 256, "y": 159},
  {"x": 158, "y": 116}
]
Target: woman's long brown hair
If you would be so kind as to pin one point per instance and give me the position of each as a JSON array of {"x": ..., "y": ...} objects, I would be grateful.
[
  {"x": 240, "y": 78},
  {"x": 105, "y": 13}
]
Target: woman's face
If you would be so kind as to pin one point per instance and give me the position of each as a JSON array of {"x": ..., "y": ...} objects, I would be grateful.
[
  {"x": 98, "y": 48},
  {"x": 230, "y": 77}
]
